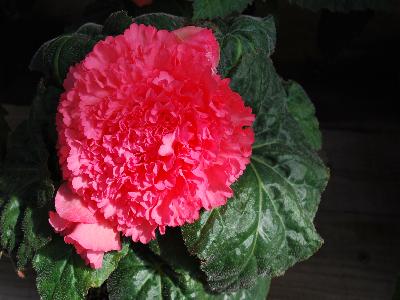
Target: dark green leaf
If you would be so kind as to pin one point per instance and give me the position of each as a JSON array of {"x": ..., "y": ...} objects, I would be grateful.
[
  {"x": 66, "y": 51},
  {"x": 143, "y": 275},
  {"x": 36, "y": 234},
  {"x": 91, "y": 29},
  {"x": 303, "y": 111},
  {"x": 209, "y": 9},
  {"x": 268, "y": 225},
  {"x": 8, "y": 223},
  {"x": 116, "y": 23},
  {"x": 346, "y": 5},
  {"x": 161, "y": 21},
  {"x": 62, "y": 274},
  {"x": 55, "y": 57},
  {"x": 248, "y": 35}
]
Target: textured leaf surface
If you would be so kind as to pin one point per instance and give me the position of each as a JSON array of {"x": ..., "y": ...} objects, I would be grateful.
[
  {"x": 36, "y": 234},
  {"x": 142, "y": 275},
  {"x": 303, "y": 111},
  {"x": 161, "y": 21},
  {"x": 8, "y": 223},
  {"x": 346, "y": 5},
  {"x": 246, "y": 34},
  {"x": 268, "y": 225},
  {"x": 62, "y": 274},
  {"x": 117, "y": 22},
  {"x": 55, "y": 57},
  {"x": 209, "y": 9}
]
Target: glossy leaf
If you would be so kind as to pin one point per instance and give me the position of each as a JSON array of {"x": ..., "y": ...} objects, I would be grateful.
[
  {"x": 143, "y": 275},
  {"x": 62, "y": 274},
  {"x": 303, "y": 111},
  {"x": 268, "y": 225},
  {"x": 209, "y": 9}
]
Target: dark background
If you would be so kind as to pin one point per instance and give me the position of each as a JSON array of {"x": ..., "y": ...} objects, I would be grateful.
[{"x": 349, "y": 63}]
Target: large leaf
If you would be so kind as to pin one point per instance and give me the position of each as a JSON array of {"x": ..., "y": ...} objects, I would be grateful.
[
  {"x": 346, "y": 5},
  {"x": 209, "y": 9},
  {"x": 268, "y": 225},
  {"x": 143, "y": 275},
  {"x": 62, "y": 274},
  {"x": 303, "y": 111}
]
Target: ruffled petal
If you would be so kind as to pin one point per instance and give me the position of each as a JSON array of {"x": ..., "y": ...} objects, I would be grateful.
[
  {"x": 201, "y": 39},
  {"x": 70, "y": 207},
  {"x": 59, "y": 224},
  {"x": 95, "y": 237}
]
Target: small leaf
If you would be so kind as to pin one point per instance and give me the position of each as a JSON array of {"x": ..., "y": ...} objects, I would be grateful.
[
  {"x": 117, "y": 23},
  {"x": 209, "y": 9},
  {"x": 8, "y": 223},
  {"x": 91, "y": 29},
  {"x": 36, "y": 234},
  {"x": 161, "y": 21},
  {"x": 303, "y": 111},
  {"x": 62, "y": 274}
]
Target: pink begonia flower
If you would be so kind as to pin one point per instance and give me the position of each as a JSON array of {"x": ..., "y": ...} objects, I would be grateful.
[
  {"x": 142, "y": 3},
  {"x": 148, "y": 135}
]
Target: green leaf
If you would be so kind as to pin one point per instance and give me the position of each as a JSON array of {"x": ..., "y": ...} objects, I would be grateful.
[
  {"x": 91, "y": 29},
  {"x": 143, "y": 275},
  {"x": 209, "y": 9},
  {"x": 55, "y": 57},
  {"x": 117, "y": 23},
  {"x": 161, "y": 21},
  {"x": 303, "y": 111},
  {"x": 8, "y": 223},
  {"x": 62, "y": 274},
  {"x": 268, "y": 225},
  {"x": 246, "y": 34},
  {"x": 345, "y": 5},
  {"x": 36, "y": 234}
]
